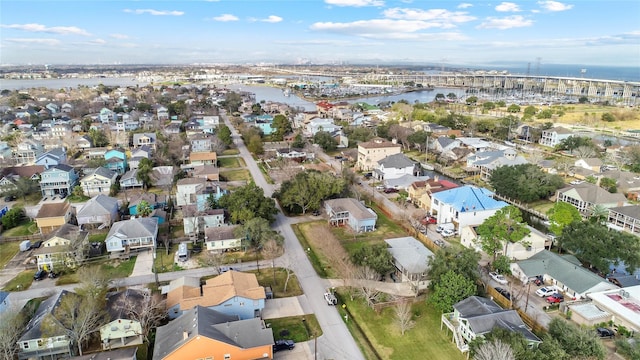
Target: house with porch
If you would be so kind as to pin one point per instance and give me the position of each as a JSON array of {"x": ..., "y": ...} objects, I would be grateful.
[
  {"x": 203, "y": 158},
  {"x": 592, "y": 164},
  {"x": 625, "y": 218},
  {"x": 129, "y": 180},
  {"x": 222, "y": 238},
  {"x": 202, "y": 333},
  {"x": 64, "y": 248},
  {"x": 52, "y": 158},
  {"x": 487, "y": 161},
  {"x": 395, "y": 166},
  {"x": 98, "y": 181},
  {"x": 411, "y": 260},
  {"x": 133, "y": 234},
  {"x": 99, "y": 212},
  {"x": 530, "y": 245},
  {"x": 195, "y": 222},
  {"x": 233, "y": 293},
  {"x": 370, "y": 152},
  {"x": 26, "y": 152},
  {"x": 53, "y": 215},
  {"x": 10, "y": 175},
  {"x": 552, "y": 137},
  {"x": 58, "y": 180},
  {"x": 464, "y": 206},
  {"x": 123, "y": 330},
  {"x": 116, "y": 160},
  {"x": 586, "y": 195},
  {"x": 143, "y": 152},
  {"x": 350, "y": 212},
  {"x": 144, "y": 139}
]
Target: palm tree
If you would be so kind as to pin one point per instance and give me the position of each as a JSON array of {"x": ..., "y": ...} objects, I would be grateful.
[
  {"x": 144, "y": 208},
  {"x": 144, "y": 172},
  {"x": 599, "y": 214}
]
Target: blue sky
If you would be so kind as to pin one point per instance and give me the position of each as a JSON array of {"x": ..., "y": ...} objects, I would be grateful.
[{"x": 588, "y": 32}]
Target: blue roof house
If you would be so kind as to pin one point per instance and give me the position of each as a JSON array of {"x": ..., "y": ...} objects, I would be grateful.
[
  {"x": 464, "y": 206},
  {"x": 116, "y": 161}
]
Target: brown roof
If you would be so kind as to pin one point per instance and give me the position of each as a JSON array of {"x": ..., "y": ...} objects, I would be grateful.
[
  {"x": 378, "y": 143},
  {"x": 200, "y": 156},
  {"x": 53, "y": 210},
  {"x": 220, "y": 233},
  {"x": 23, "y": 171}
]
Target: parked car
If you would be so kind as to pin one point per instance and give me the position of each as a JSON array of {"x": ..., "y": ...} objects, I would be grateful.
[
  {"x": 53, "y": 275},
  {"x": 39, "y": 275},
  {"x": 390, "y": 190},
  {"x": 428, "y": 220},
  {"x": 316, "y": 213},
  {"x": 448, "y": 232},
  {"x": 283, "y": 345},
  {"x": 546, "y": 291},
  {"x": 604, "y": 332},
  {"x": 438, "y": 242},
  {"x": 330, "y": 298},
  {"x": 498, "y": 278},
  {"x": 9, "y": 198},
  {"x": 555, "y": 298},
  {"x": 380, "y": 187},
  {"x": 538, "y": 280},
  {"x": 504, "y": 293}
]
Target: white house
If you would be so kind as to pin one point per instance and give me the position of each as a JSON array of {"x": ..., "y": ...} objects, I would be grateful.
[
  {"x": 222, "y": 238},
  {"x": 187, "y": 189},
  {"x": 552, "y": 137},
  {"x": 532, "y": 244},
  {"x": 196, "y": 222},
  {"x": 99, "y": 181},
  {"x": 132, "y": 234},
  {"x": 395, "y": 166},
  {"x": 123, "y": 329},
  {"x": 464, "y": 206}
]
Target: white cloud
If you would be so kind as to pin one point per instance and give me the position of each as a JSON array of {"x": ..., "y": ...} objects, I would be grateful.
[
  {"x": 386, "y": 29},
  {"x": 62, "y": 30},
  {"x": 508, "y": 22},
  {"x": 272, "y": 19},
  {"x": 97, "y": 42},
  {"x": 441, "y": 15},
  {"x": 508, "y": 7},
  {"x": 554, "y": 6},
  {"x": 355, "y": 3},
  {"x": 226, "y": 17},
  {"x": 50, "y": 42},
  {"x": 119, "y": 36},
  {"x": 154, "y": 12},
  {"x": 464, "y": 5}
]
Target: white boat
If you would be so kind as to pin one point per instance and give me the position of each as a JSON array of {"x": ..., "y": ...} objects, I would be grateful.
[{"x": 427, "y": 166}]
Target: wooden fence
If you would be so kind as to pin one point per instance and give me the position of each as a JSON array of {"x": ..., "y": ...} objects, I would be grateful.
[{"x": 6, "y": 239}]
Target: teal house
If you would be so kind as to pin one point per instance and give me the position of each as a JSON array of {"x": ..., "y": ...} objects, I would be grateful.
[{"x": 116, "y": 161}]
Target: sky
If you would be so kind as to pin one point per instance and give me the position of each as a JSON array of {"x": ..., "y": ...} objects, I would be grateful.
[{"x": 588, "y": 32}]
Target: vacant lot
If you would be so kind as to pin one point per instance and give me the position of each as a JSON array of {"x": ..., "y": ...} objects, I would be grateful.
[
  {"x": 330, "y": 254},
  {"x": 275, "y": 277},
  {"x": 296, "y": 328},
  {"x": 236, "y": 175},
  {"x": 230, "y": 162}
]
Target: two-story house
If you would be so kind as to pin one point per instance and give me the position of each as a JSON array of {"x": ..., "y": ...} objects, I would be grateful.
[
  {"x": 98, "y": 212},
  {"x": 200, "y": 143},
  {"x": 130, "y": 180},
  {"x": 162, "y": 113},
  {"x": 52, "y": 158},
  {"x": 123, "y": 329},
  {"x": 625, "y": 218},
  {"x": 552, "y": 137},
  {"x": 138, "y": 233},
  {"x": 203, "y": 158},
  {"x": 222, "y": 238},
  {"x": 195, "y": 222},
  {"x": 26, "y": 152},
  {"x": 350, "y": 212},
  {"x": 370, "y": 152},
  {"x": 98, "y": 181},
  {"x": 395, "y": 166},
  {"x": 143, "y": 152},
  {"x": 64, "y": 248},
  {"x": 487, "y": 161},
  {"x": 186, "y": 190},
  {"x": 116, "y": 161},
  {"x": 464, "y": 206},
  {"x": 585, "y": 196},
  {"x": 420, "y": 192},
  {"x": 233, "y": 293},
  {"x": 144, "y": 139},
  {"x": 411, "y": 260},
  {"x": 53, "y": 215},
  {"x": 58, "y": 180}
]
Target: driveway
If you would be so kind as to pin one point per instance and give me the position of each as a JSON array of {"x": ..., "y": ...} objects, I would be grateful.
[
  {"x": 301, "y": 351},
  {"x": 144, "y": 263},
  {"x": 283, "y": 307}
]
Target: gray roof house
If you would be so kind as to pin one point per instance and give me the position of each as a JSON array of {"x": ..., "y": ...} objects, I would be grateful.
[
  {"x": 625, "y": 218},
  {"x": 586, "y": 195},
  {"x": 204, "y": 333},
  {"x": 98, "y": 181},
  {"x": 351, "y": 212},
  {"x": 142, "y": 139},
  {"x": 565, "y": 272},
  {"x": 132, "y": 234},
  {"x": 411, "y": 259},
  {"x": 395, "y": 166},
  {"x": 487, "y": 161},
  {"x": 130, "y": 180},
  {"x": 475, "y": 316},
  {"x": 100, "y": 211}
]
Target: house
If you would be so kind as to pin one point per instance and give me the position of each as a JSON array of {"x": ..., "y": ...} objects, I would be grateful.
[
  {"x": 348, "y": 211},
  {"x": 586, "y": 195},
  {"x": 106, "y": 115},
  {"x": 123, "y": 329},
  {"x": 622, "y": 306},
  {"x": 52, "y": 216},
  {"x": 475, "y": 144},
  {"x": 222, "y": 238},
  {"x": 58, "y": 180},
  {"x": 116, "y": 160},
  {"x": 203, "y": 158},
  {"x": 26, "y": 152},
  {"x": 202, "y": 333},
  {"x": 130, "y": 180},
  {"x": 464, "y": 206},
  {"x": 9, "y": 175},
  {"x": 411, "y": 260},
  {"x": 162, "y": 176},
  {"x": 84, "y": 142},
  {"x": 143, "y": 152},
  {"x": 421, "y": 191},
  {"x": 232, "y": 293},
  {"x": 626, "y": 181},
  {"x": 99, "y": 212},
  {"x": 162, "y": 113},
  {"x": 52, "y": 158},
  {"x": 552, "y": 137},
  {"x": 591, "y": 164},
  {"x": 530, "y": 245},
  {"x": 625, "y": 218},
  {"x": 208, "y": 172},
  {"x": 195, "y": 222},
  {"x": 138, "y": 233},
  {"x": 370, "y": 152},
  {"x": 186, "y": 190},
  {"x": 440, "y": 130},
  {"x": 395, "y": 166},
  {"x": 565, "y": 272},
  {"x": 487, "y": 161},
  {"x": 118, "y": 354},
  {"x": 35, "y": 344},
  {"x": 64, "y": 248},
  {"x": 476, "y": 316},
  {"x": 295, "y": 154},
  {"x": 155, "y": 201},
  {"x": 144, "y": 139},
  {"x": 98, "y": 181},
  {"x": 60, "y": 131},
  {"x": 319, "y": 124},
  {"x": 200, "y": 143},
  {"x": 443, "y": 144}
]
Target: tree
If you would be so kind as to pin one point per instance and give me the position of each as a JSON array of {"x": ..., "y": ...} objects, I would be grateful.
[
  {"x": 22, "y": 187},
  {"x": 439, "y": 97},
  {"x": 224, "y": 134},
  {"x": 472, "y": 100},
  {"x": 307, "y": 190},
  {"x": 524, "y": 182},
  {"x": 488, "y": 105},
  {"x": 281, "y": 126},
  {"x": 248, "y": 202},
  {"x": 631, "y": 155},
  {"x": 502, "y": 264},
  {"x": 325, "y": 141},
  {"x": 376, "y": 257},
  {"x": 257, "y": 231},
  {"x": 12, "y": 218},
  {"x": 151, "y": 315},
  {"x": 609, "y": 184},
  {"x": 513, "y": 108},
  {"x": 608, "y": 117},
  {"x": 418, "y": 139},
  {"x": 451, "y": 289},
  {"x": 98, "y": 138},
  {"x": 577, "y": 342},
  {"x": 144, "y": 208},
  {"x": 574, "y": 142},
  {"x": 298, "y": 141},
  {"x": 404, "y": 316},
  {"x": 501, "y": 229},
  {"x": 145, "y": 168},
  {"x": 494, "y": 350},
  {"x": 255, "y": 145},
  {"x": 12, "y": 326},
  {"x": 363, "y": 278},
  {"x": 464, "y": 262},
  {"x": 561, "y": 215},
  {"x": 215, "y": 259}
]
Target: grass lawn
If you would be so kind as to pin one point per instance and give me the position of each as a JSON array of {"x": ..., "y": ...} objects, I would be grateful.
[
  {"x": 542, "y": 206},
  {"x": 296, "y": 328},
  {"x": 266, "y": 278},
  {"x": 424, "y": 341},
  {"x": 26, "y": 227},
  {"x": 121, "y": 270},
  {"x": 21, "y": 282},
  {"x": 97, "y": 237},
  {"x": 231, "y": 152},
  {"x": 385, "y": 229},
  {"x": 164, "y": 262},
  {"x": 236, "y": 175},
  {"x": 230, "y": 162},
  {"x": 318, "y": 261},
  {"x": 7, "y": 251}
]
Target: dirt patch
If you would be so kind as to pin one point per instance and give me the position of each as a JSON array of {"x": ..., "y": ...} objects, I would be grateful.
[{"x": 327, "y": 246}]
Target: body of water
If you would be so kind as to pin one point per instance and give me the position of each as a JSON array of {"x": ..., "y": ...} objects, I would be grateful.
[
  {"x": 620, "y": 73},
  {"x": 11, "y": 84}
]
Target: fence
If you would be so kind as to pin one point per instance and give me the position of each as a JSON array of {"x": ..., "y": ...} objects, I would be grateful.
[{"x": 6, "y": 239}]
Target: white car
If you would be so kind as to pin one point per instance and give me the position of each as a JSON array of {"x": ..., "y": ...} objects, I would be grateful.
[
  {"x": 448, "y": 232},
  {"x": 330, "y": 298},
  {"x": 546, "y": 291},
  {"x": 498, "y": 278}
]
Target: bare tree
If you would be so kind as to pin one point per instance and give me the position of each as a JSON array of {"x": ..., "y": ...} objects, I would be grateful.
[
  {"x": 286, "y": 263},
  {"x": 214, "y": 259},
  {"x": 12, "y": 325},
  {"x": 271, "y": 249},
  {"x": 150, "y": 316},
  {"x": 404, "y": 316},
  {"x": 494, "y": 350},
  {"x": 363, "y": 280},
  {"x": 95, "y": 282}
]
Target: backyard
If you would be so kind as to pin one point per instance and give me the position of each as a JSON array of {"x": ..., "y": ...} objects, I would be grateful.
[
  {"x": 235, "y": 175},
  {"x": 230, "y": 162},
  {"x": 296, "y": 328},
  {"x": 26, "y": 227}
]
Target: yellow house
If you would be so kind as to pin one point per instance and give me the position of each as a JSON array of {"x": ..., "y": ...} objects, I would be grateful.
[
  {"x": 420, "y": 191},
  {"x": 370, "y": 152},
  {"x": 52, "y": 216},
  {"x": 202, "y": 333},
  {"x": 65, "y": 247}
]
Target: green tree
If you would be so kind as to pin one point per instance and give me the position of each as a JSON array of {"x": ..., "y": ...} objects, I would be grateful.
[
  {"x": 299, "y": 141},
  {"x": 439, "y": 97},
  {"x": 513, "y": 108},
  {"x": 177, "y": 108},
  {"x": 530, "y": 110},
  {"x": 232, "y": 102},
  {"x": 583, "y": 100},
  {"x": 488, "y": 105},
  {"x": 561, "y": 215},
  {"x": 248, "y": 202},
  {"x": 524, "y": 182},
  {"x": 502, "y": 265},
  {"x": 464, "y": 262},
  {"x": 577, "y": 342},
  {"x": 609, "y": 184},
  {"x": 12, "y": 218},
  {"x": 308, "y": 189},
  {"x": 472, "y": 100},
  {"x": 451, "y": 289},
  {"x": 98, "y": 138},
  {"x": 78, "y": 192},
  {"x": 281, "y": 126},
  {"x": 418, "y": 139},
  {"x": 142, "y": 106},
  {"x": 224, "y": 134},
  {"x": 325, "y": 140},
  {"x": 144, "y": 208},
  {"x": 145, "y": 168},
  {"x": 255, "y": 145},
  {"x": 608, "y": 117},
  {"x": 501, "y": 229},
  {"x": 22, "y": 187},
  {"x": 377, "y": 257},
  {"x": 258, "y": 232}
]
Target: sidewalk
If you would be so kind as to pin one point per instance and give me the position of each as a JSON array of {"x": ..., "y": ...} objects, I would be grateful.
[{"x": 398, "y": 289}]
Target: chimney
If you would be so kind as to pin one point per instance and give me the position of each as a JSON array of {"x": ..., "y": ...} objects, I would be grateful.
[{"x": 185, "y": 335}]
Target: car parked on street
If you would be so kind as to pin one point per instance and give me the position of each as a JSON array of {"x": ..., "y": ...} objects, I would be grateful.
[
  {"x": 330, "y": 298},
  {"x": 546, "y": 291},
  {"x": 428, "y": 220},
  {"x": 605, "y": 333},
  {"x": 555, "y": 298},
  {"x": 498, "y": 278},
  {"x": 504, "y": 293},
  {"x": 390, "y": 190},
  {"x": 448, "y": 232},
  {"x": 283, "y": 345}
]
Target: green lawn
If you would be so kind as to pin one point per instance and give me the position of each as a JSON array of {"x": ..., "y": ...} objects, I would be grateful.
[
  {"x": 21, "y": 282},
  {"x": 231, "y": 152},
  {"x": 318, "y": 264},
  {"x": 7, "y": 251},
  {"x": 121, "y": 270},
  {"x": 230, "y": 162},
  {"x": 26, "y": 227},
  {"x": 266, "y": 278},
  {"x": 296, "y": 328},
  {"x": 424, "y": 341},
  {"x": 97, "y": 237},
  {"x": 385, "y": 229},
  {"x": 542, "y": 205},
  {"x": 236, "y": 175}
]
